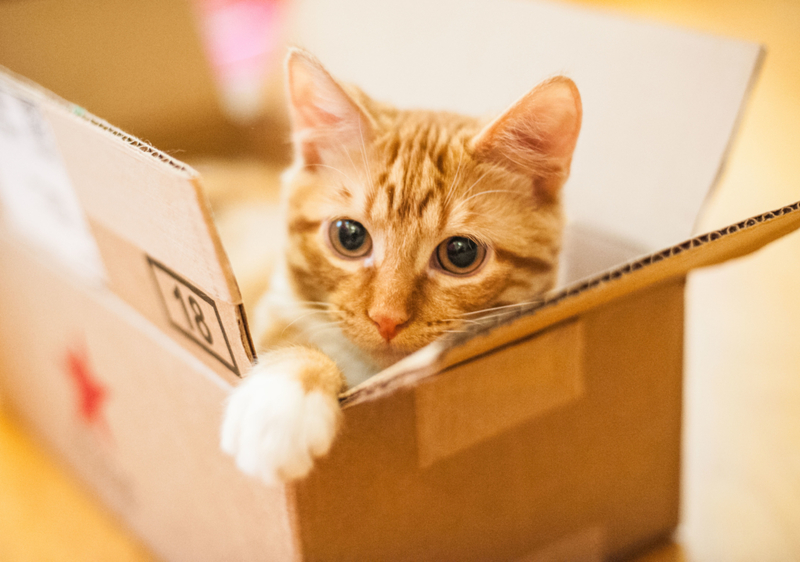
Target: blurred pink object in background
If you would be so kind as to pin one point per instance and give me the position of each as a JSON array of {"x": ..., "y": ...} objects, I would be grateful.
[{"x": 240, "y": 38}]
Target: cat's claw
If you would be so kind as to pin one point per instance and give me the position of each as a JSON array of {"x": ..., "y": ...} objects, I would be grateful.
[{"x": 275, "y": 429}]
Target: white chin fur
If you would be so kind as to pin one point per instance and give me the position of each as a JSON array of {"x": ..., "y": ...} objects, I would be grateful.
[{"x": 274, "y": 429}]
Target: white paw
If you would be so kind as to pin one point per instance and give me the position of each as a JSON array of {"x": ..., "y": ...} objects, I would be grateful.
[{"x": 274, "y": 429}]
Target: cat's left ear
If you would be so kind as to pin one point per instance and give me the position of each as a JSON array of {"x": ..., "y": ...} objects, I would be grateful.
[
  {"x": 537, "y": 135},
  {"x": 326, "y": 120}
]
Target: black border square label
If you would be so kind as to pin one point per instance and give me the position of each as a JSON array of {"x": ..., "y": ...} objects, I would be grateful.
[{"x": 193, "y": 313}]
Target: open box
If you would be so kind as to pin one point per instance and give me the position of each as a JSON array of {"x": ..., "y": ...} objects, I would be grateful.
[{"x": 552, "y": 435}]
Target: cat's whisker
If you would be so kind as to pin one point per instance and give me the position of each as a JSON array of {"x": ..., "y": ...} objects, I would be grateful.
[
  {"x": 364, "y": 156},
  {"x": 324, "y": 323},
  {"x": 484, "y": 320},
  {"x": 306, "y": 315},
  {"x": 520, "y": 163},
  {"x": 460, "y": 320},
  {"x": 475, "y": 183},
  {"x": 469, "y": 190},
  {"x": 335, "y": 170},
  {"x": 453, "y": 184},
  {"x": 474, "y": 195},
  {"x": 507, "y": 306},
  {"x": 321, "y": 330},
  {"x": 327, "y": 324},
  {"x": 315, "y": 303},
  {"x": 350, "y": 158},
  {"x": 499, "y": 310},
  {"x": 311, "y": 333}
]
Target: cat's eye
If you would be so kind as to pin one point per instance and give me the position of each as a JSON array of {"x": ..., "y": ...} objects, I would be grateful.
[
  {"x": 349, "y": 238},
  {"x": 460, "y": 255}
]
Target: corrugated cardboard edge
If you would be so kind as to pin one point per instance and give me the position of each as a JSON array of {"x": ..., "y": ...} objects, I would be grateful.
[
  {"x": 521, "y": 321},
  {"x": 35, "y": 90},
  {"x": 175, "y": 166},
  {"x": 227, "y": 269}
]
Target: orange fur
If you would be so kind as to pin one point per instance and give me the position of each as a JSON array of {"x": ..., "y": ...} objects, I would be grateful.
[{"x": 413, "y": 179}]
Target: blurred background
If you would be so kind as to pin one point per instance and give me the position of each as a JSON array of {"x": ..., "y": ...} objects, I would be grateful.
[{"x": 202, "y": 81}]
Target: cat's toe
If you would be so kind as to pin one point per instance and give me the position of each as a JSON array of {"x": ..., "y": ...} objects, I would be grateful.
[{"x": 274, "y": 428}]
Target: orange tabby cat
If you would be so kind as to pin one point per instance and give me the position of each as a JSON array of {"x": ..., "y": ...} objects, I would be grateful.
[{"x": 398, "y": 224}]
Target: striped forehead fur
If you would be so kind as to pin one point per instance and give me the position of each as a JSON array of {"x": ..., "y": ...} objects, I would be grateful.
[{"x": 414, "y": 179}]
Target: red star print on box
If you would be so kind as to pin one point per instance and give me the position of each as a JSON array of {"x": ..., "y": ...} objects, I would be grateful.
[{"x": 91, "y": 393}]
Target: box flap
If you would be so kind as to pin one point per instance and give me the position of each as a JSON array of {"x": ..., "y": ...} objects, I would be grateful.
[
  {"x": 660, "y": 103},
  {"x": 151, "y": 222},
  {"x": 518, "y": 322}
]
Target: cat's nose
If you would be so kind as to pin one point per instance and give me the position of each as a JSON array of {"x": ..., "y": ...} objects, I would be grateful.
[{"x": 389, "y": 325}]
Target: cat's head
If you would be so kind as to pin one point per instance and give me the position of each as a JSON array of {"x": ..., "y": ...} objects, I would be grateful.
[{"x": 405, "y": 222}]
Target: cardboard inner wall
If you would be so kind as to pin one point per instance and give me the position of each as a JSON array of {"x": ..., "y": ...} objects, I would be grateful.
[
  {"x": 660, "y": 103},
  {"x": 605, "y": 457}
]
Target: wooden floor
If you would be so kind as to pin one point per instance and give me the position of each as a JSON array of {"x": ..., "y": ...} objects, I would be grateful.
[{"x": 742, "y": 447}]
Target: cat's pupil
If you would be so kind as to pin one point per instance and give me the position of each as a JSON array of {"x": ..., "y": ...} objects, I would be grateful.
[
  {"x": 352, "y": 234},
  {"x": 461, "y": 251}
]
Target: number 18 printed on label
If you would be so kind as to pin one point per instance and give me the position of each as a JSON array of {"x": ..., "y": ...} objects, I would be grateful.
[{"x": 194, "y": 313}]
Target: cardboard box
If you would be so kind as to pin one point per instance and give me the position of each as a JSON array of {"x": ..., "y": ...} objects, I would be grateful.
[{"x": 553, "y": 434}]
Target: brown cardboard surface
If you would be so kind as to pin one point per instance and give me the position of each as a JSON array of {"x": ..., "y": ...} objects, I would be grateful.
[
  {"x": 154, "y": 203},
  {"x": 583, "y": 546},
  {"x": 149, "y": 446},
  {"x": 609, "y": 459},
  {"x": 132, "y": 276},
  {"x": 492, "y": 397}
]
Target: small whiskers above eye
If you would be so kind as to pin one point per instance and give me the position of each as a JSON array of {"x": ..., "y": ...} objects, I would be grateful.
[{"x": 319, "y": 165}]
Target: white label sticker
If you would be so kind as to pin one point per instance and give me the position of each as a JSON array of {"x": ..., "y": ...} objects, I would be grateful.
[{"x": 37, "y": 199}]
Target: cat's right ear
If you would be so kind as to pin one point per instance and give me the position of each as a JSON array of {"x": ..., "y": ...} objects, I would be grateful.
[
  {"x": 537, "y": 135},
  {"x": 327, "y": 122}
]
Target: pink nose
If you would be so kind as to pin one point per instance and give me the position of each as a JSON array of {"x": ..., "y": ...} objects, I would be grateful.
[{"x": 388, "y": 326}]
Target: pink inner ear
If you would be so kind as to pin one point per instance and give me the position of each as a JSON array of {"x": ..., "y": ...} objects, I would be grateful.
[
  {"x": 556, "y": 114},
  {"x": 537, "y": 135},
  {"x": 325, "y": 116},
  {"x": 308, "y": 87}
]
